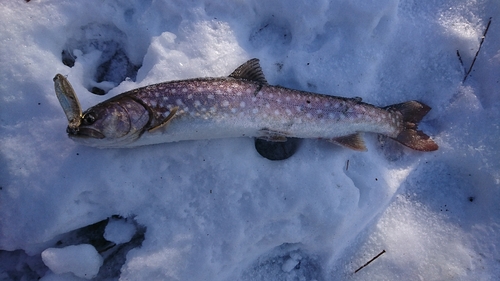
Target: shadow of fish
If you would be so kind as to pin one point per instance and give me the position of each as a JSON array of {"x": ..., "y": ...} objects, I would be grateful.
[{"x": 240, "y": 105}]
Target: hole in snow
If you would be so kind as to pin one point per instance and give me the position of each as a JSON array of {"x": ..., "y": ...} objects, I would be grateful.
[
  {"x": 20, "y": 266},
  {"x": 102, "y": 50}
]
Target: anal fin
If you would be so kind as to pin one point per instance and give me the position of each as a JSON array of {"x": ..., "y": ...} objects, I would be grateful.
[{"x": 354, "y": 141}]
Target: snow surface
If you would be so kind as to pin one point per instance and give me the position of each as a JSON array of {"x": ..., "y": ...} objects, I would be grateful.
[{"x": 217, "y": 210}]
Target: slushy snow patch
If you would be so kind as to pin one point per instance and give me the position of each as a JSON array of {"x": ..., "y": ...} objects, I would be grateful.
[{"x": 81, "y": 260}]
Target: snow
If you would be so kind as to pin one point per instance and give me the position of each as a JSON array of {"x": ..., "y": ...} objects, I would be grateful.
[
  {"x": 119, "y": 231},
  {"x": 81, "y": 260},
  {"x": 216, "y": 209}
]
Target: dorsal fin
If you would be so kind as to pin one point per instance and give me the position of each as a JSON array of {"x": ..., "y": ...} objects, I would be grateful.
[
  {"x": 250, "y": 70},
  {"x": 354, "y": 141}
]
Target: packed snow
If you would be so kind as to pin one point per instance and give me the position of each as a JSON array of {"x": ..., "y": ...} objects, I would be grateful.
[
  {"x": 81, "y": 260},
  {"x": 216, "y": 209}
]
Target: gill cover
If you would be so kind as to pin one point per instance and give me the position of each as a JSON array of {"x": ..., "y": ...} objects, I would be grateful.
[{"x": 112, "y": 123}]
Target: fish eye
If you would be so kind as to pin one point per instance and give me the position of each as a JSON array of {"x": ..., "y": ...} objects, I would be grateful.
[{"x": 89, "y": 118}]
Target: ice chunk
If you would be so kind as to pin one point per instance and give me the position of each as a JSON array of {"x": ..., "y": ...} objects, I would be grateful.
[{"x": 81, "y": 260}]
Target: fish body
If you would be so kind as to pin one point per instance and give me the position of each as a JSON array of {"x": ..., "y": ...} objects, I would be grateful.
[{"x": 242, "y": 105}]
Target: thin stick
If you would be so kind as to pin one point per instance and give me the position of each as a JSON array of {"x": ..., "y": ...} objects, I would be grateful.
[
  {"x": 479, "y": 49},
  {"x": 461, "y": 61},
  {"x": 347, "y": 165},
  {"x": 383, "y": 251}
]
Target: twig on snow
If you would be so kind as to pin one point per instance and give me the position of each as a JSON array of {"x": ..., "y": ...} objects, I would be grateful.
[
  {"x": 383, "y": 251},
  {"x": 477, "y": 53}
]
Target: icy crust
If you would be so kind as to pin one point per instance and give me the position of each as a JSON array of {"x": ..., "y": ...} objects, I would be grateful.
[{"x": 216, "y": 210}]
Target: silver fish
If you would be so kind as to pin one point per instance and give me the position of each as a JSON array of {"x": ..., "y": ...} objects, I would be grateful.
[{"x": 240, "y": 105}]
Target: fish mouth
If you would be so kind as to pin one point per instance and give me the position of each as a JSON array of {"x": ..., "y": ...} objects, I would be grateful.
[{"x": 84, "y": 133}]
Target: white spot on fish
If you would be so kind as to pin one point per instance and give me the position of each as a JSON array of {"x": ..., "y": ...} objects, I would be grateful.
[
  {"x": 287, "y": 98},
  {"x": 239, "y": 93},
  {"x": 157, "y": 94},
  {"x": 288, "y": 111},
  {"x": 331, "y": 115},
  {"x": 210, "y": 96},
  {"x": 309, "y": 115},
  {"x": 276, "y": 112},
  {"x": 242, "y": 104},
  {"x": 319, "y": 111},
  {"x": 179, "y": 102},
  {"x": 213, "y": 109},
  {"x": 327, "y": 104},
  {"x": 153, "y": 103},
  {"x": 342, "y": 116},
  {"x": 173, "y": 91},
  {"x": 379, "y": 119},
  {"x": 190, "y": 96},
  {"x": 298, "y": 108},
  {"x": 255, "y": 110},
  {"x": 271, "y": 95},
  {"x": 184, "y": 90},
  {"x": 186, "y": 109},
  {"x": 225, "y": 103},
  {"x": 248, "y": 91},
  {"x": 254, "y": 99},
  {"x": 268, "y": 105},
  {"x": 165, "y": 98},
  {"x": 197, "y": 103},
  {"x": 337, "y": 105},
  {"x": 234, "y": 110},
  {"x": 200, "y": 89}
]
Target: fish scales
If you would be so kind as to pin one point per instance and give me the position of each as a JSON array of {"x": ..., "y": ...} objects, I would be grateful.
[{"x": 240, "y": 105}]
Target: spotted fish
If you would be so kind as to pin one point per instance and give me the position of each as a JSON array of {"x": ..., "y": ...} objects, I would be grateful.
[{"x": 240, "y": 105}]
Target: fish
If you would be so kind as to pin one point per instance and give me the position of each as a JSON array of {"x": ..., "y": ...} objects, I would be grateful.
[{"x": 242, "y": 104}]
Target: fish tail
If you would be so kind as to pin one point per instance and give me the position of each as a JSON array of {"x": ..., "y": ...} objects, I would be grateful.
[{"x": 413, "y": 112}]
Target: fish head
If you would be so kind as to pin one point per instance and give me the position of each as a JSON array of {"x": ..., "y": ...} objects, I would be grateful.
[{"x": 110, "y": 124}]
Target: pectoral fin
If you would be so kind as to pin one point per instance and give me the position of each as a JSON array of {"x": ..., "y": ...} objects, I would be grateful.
[
  {"x": 165, "y": 121},
  {"x": 276, "y": 150},
  {"x": 273, "y": 136},
  {"x": 354, "y": 141}
]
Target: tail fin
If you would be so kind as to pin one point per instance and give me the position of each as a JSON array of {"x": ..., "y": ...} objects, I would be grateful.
[{"x": 413, "y": 112}]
